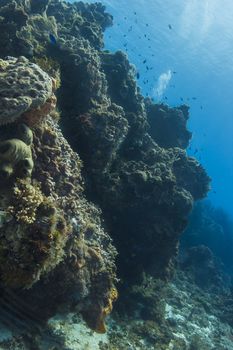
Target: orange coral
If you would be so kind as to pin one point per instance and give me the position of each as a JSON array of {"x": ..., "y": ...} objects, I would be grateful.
[
  {"x": 95, "y": 315},
  {"x": 113, "y": 295}
]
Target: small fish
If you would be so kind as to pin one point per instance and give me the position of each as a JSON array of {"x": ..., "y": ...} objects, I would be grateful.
[
  {"x": 194, "y": 98},
  {"x": 174, "y": 72},
  {"x": 181, "y": 98},
  {"x": 138, "y": 75},
  {"x": 144, "y": 61},
  {"x": 195, "y": 152},
  {"x": 52, "y": 39},
  {"x": 169, "y": 26},
  {"x": 147, "y": 24},
  {"x": 201, "y": 107}
]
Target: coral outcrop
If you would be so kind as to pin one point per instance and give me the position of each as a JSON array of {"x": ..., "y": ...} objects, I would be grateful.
[
  {"x": 51, "y": 240},
  {"x": 213, "y": 228},
  {"x": 133, "y": 150},
  {"x": 168, "y": 125},
  {"x": 32, "y": 88},
  {"x": 135, "y": 166}
]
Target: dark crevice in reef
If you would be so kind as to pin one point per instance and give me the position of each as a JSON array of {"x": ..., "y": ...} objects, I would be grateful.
[{"x": 134, "y": 156}]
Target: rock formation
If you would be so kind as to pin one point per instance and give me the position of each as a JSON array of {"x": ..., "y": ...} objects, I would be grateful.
[
  {"x": 51, "y": 240},
  {"x": 135, "y": 165}
]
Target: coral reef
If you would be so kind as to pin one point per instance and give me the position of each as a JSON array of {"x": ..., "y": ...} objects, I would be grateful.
[
  {"x": 32, "y": 88},
  {"x": 211, "y": 227},
  {"x": 53, "y": 248},
  {"x": 51, "y": 241},
  {"x": 206, "y": 271},
  {"x": 168, "y": 125}
]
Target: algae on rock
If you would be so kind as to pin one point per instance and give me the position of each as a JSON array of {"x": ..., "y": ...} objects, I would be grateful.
[
  {"x": 144, "y": 183},
  {"x": 51, "y": 240}
]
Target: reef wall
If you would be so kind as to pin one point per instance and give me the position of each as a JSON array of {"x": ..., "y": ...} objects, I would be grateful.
[
  {"x": 52, "y": 246},
  {"x": 135, "y": 165}
]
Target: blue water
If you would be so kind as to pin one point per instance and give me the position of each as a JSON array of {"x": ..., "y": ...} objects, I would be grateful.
[{"x": 194, "y": 39}]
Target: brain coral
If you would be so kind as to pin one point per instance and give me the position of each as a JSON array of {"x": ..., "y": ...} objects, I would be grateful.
[
  {"x": 15, "y": 153},
  {"x": 23, "y": 86}
]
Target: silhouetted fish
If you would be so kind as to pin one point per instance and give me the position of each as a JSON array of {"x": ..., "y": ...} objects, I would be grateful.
[
  {"x": 169, "y": 26},
  {"x": 52, "y": 39},
  {"x": 138, "y": 75}
]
